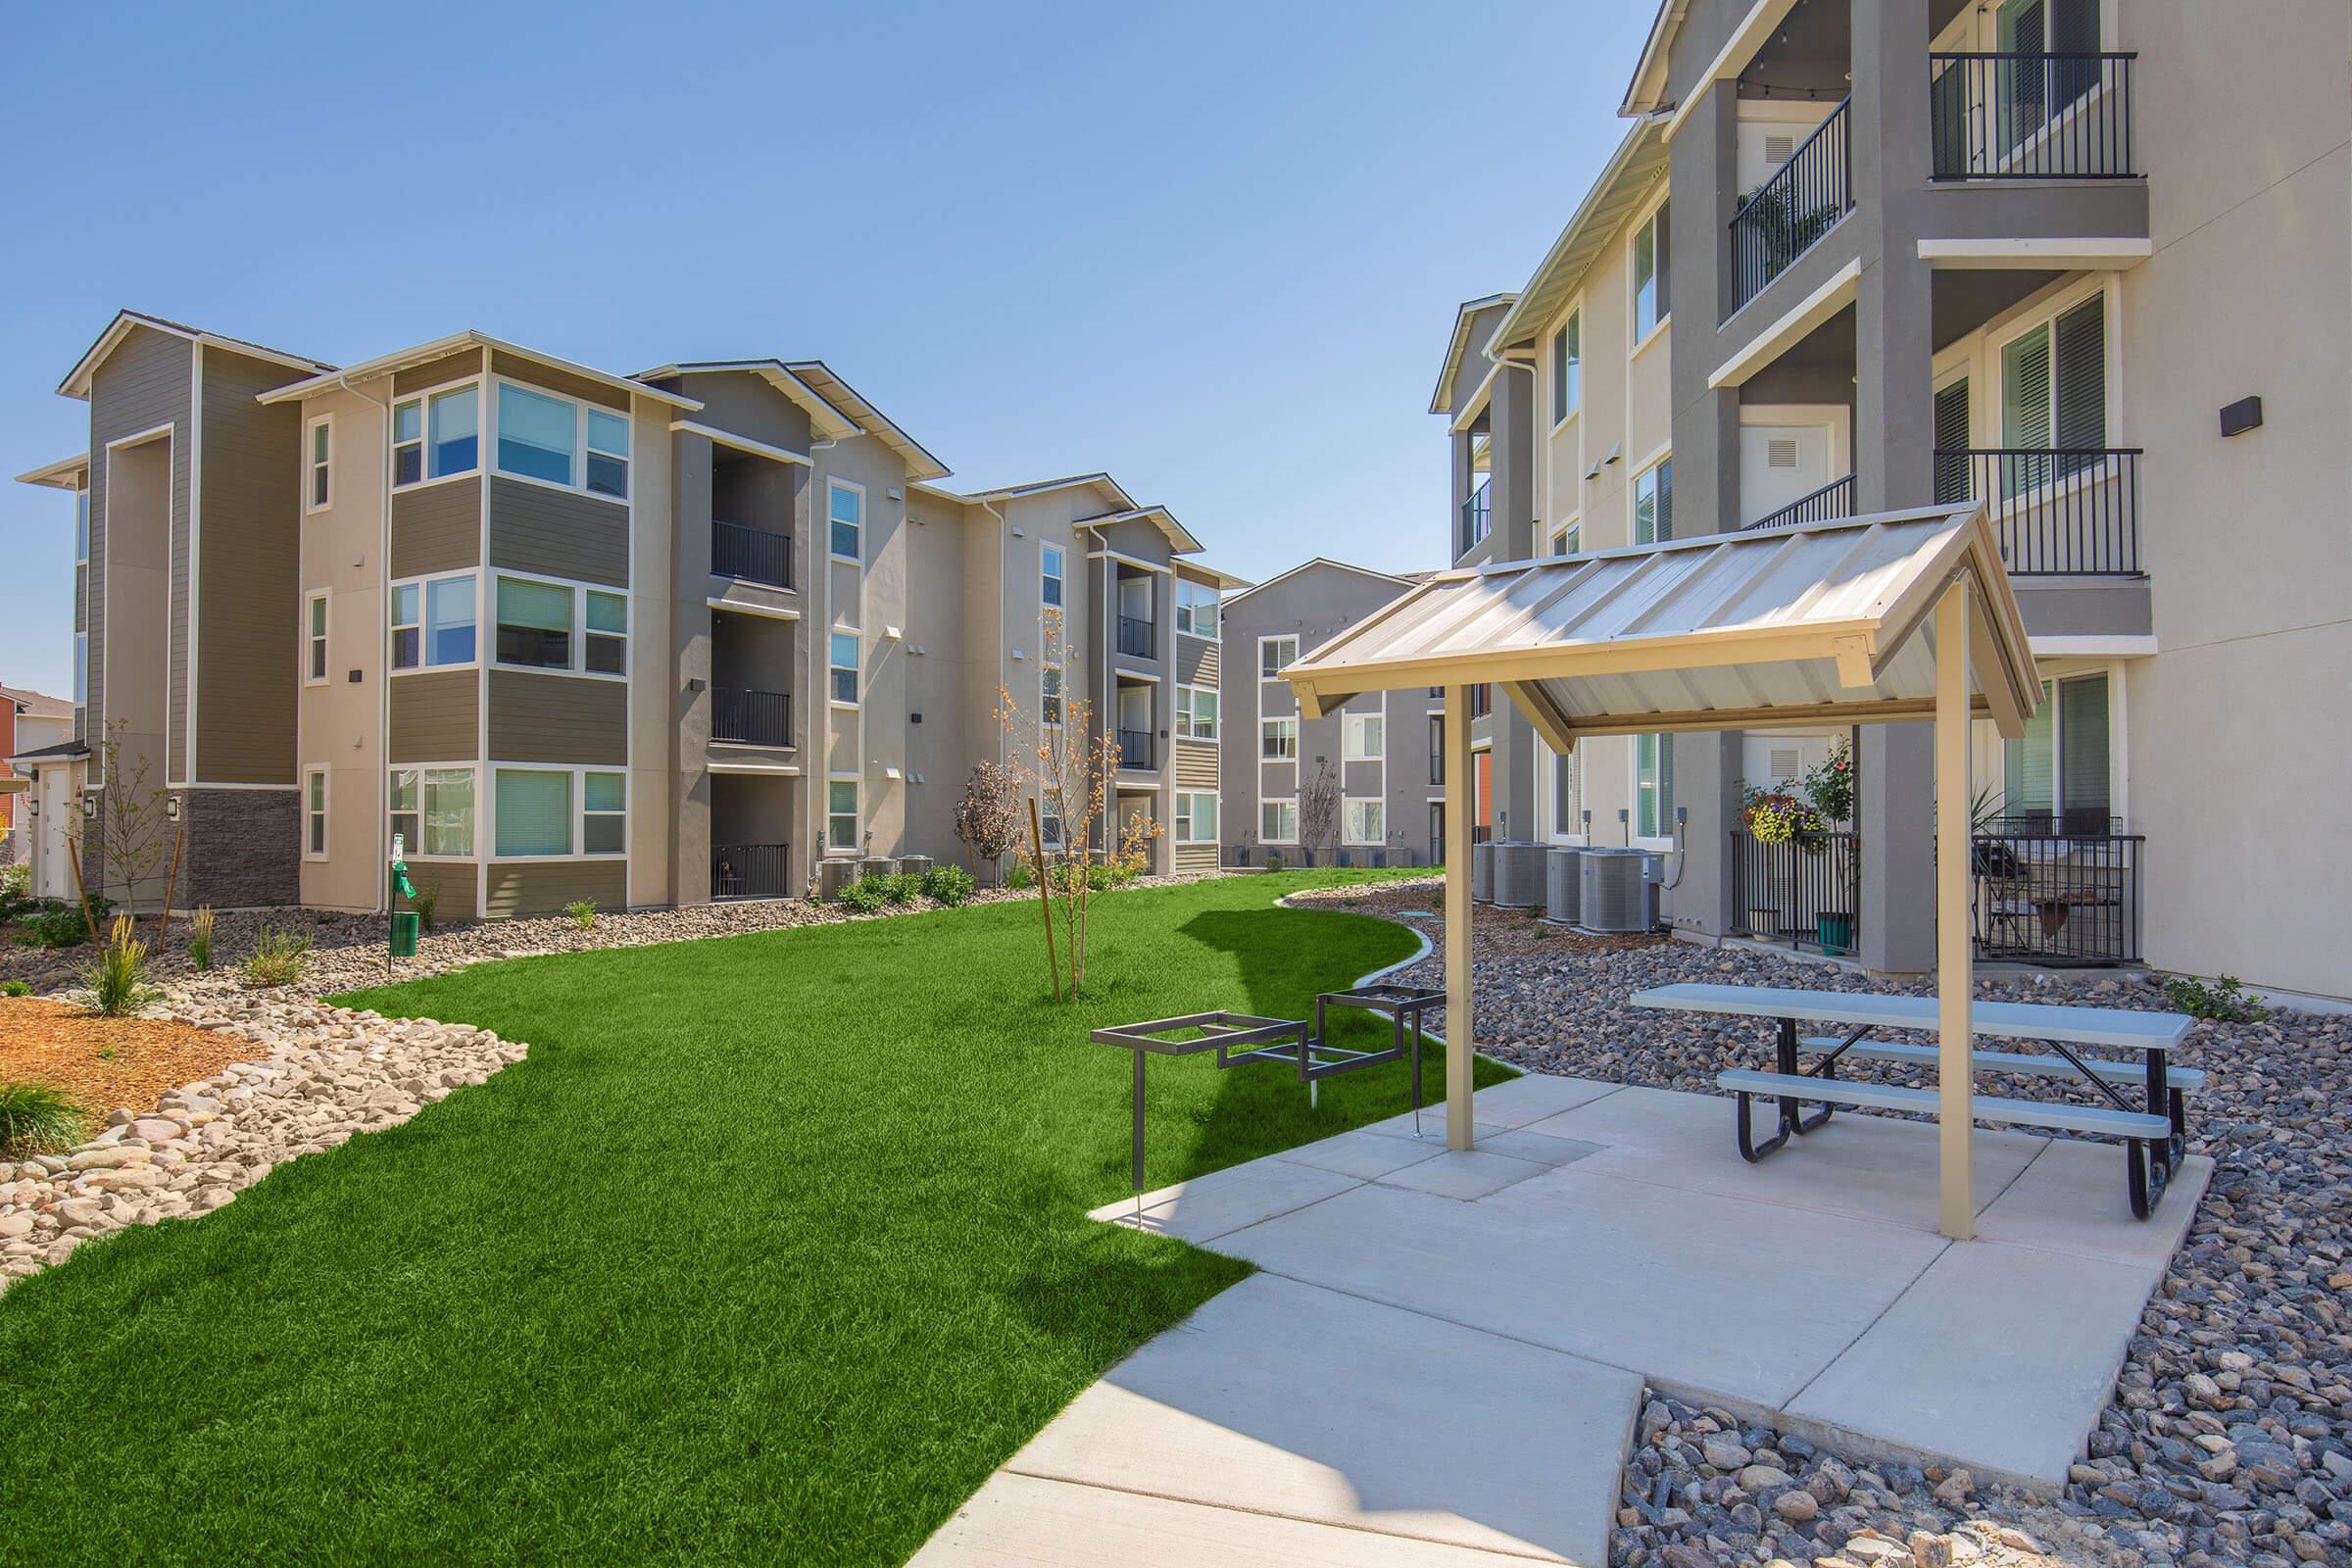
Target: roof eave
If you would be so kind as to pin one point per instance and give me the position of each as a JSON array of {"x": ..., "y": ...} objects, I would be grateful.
[{"x": 441, "y": 347}]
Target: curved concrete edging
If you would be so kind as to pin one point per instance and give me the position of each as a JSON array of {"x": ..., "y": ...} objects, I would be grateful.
[{"x": 1424, "y": 950}]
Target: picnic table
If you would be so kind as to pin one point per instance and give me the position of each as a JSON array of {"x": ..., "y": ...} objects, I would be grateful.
[{"x": 2154, "y": 1137}]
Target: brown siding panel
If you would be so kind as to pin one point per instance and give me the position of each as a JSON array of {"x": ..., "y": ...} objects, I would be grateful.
[
  {"x": 1196, "y": 765},
  {"x": 453, "y": 881},
  {"x": 557, "y": 534},
  {"x": 435, "y": 717},
  {"x": 437, "y": 529},
  {"x": 538, "y": 887},
  {"x": 145, "y": 382},
  {"x": 561, "y": 383},
  {"x": 558, "y": 718},
  {"x": 433, "y": 373},
  {"x": 247, "y": 599}
]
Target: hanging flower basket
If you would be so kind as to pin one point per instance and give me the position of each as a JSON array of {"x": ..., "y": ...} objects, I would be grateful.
[{"x": 1775, "y": 817}]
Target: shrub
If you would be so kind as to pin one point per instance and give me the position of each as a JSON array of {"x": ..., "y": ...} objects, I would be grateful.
[
  {"x": 15, "y": 988},
  {"x": 36, "y": 1119},
  {"x": 118, "y": 980},
  {"x": 1020, "y": 876},
  {"x": 865, "y": 894},
  {"x": 200, "y": 937},
  {"x": 2226, "y": 1000},
  {"x": 62, "y": 925},
  {"x": 582, "y": 912},
  {"x": 1273, "y": 861},
  {"x": 899, "y": 888},
  {"x": 950, "y": 885},
  {"x": 424, "y": 901},
  {"x": 16, "y": 881},
  {"x": 279, "y": 959}
]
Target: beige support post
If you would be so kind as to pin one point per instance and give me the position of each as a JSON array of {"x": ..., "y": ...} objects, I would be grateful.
[
  {"x": 1955, "y": 976},
  {"x": 1461, "y": 788}
]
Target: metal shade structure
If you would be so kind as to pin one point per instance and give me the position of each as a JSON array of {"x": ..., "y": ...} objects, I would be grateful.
[{"x": 1901, "y": 616}]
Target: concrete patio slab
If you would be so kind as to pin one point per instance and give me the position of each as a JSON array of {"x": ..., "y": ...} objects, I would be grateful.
[
  {"x": 2071, "y": 1199},
  {"x": 1526, "y": 1142},
  {"x": 1368, "y": 1154},
  {"x": 1022, "y": 1522},
  {"x": 1208, "y": 1207},
  {"x": 1531, "y": 1096},
  {"x": 1465, "y": 1174},
  {"x": 1260, "y": 1401}
]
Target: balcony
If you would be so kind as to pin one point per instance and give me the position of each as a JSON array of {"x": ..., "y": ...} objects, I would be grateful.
[
  {"x": 749, "y": 870},
  {"x": 1139, "y": 638},
  {"x": 740, "y": 718},
  {"x": 1804, "y": 892},
  {"x": 1477, "y": 517},
  {"x": 1134, "y": 750},
  {"x": 2059, "y": 512},
  {"x": 2031, "y": 116},
  {"x": 1789, "y": 213},
  {"x": 1832, "y": 500},
  {"x": 751, "y": 555},
  {"x": 2056, "y": 890}
]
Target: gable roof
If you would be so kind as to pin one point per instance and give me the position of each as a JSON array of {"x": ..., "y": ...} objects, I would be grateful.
[
  {"x": 1099, "y": 480},
  {"x": 1631, "y": 173},
  {"x": 1180, "y": 539},
  {"x": 1647, "y": 90},
  {"x": 827, "y": 421},
  {"x": 37, "y": 704},
  {"x": 76, "y": 383},
  {"x": 443, "y": 347},
  {"x": 1326, "y": 561},
  {"x": 920, "y": 463},
  {"x": 62, "y": 474},
  {"x": 1458, "y": 349}
]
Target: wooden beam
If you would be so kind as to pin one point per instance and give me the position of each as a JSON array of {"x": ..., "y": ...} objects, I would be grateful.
[
  {"x": 1887, "y": 710},
  {"x": 1706, "y": 648},
  {"x": 1555, "y": 726},
  {"x": 1954, "y": 972},
  {"x": 1461, "y": 788}
]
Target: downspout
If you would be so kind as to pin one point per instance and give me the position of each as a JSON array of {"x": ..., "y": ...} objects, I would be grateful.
[{"x": 383, "y": 677}]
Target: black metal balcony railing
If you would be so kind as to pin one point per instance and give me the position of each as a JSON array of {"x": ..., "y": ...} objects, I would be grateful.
[
  {"x": 1832, "y": 500},
  {"x": 2058, "y": 511},
  {"x": 1788, "y": 213},
  {"x": 751, "y": 718},
  {"x": 2031, "y": 117},
  {"x": 749, "y": 870},
  {"x": 1138, "y": 639},
  {"x": 1135, "y": 748},
  {"x": 1477, "y": 517},
  {"x": 1805, "y": 893},
  {"x": 2059, "y": 893},
  {"x": 753, "y": 554}
]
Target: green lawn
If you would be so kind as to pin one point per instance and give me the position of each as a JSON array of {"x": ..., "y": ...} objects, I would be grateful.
[{"x": 770, "y": 1252}]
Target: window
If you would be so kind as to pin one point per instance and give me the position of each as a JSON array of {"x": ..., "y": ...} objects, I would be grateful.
[
  {"x": 1651, "y": 303},
  {"x": 1196, "y": 712},
  {"x": 534, "y": 623},
  {"x": 2054, "y": 397},
  {"x": 82, "y": 527},
  {"x": 1048, "y": 819},
  {"x": 607, "y": 454},
  {"x": 321, "y": 483},
  {"x": 536, "y": 434},
  {"x": 1568, "y": 367},
  {"x": 1275, "y": 655},
  {"x": 1050, "y": 563},
  {"x": 313, "y": 634},
  {"x": 1654, "y": 786},
  {"x": 432, "y": 809},
  {"x": 432, "y": 623},
  {"x": 1563, "y": 539},
  {"x": 81, "y": 671},
  {"x": 532, "y": 811},
  {"x": 845, "y": 667},
  {"x": 2058, "y": 776},
  {"x": 437, "y": 436},
  {"x": 604, "y": 813},
  {"x": 607, "y": 650},
  {"x": 1361, "y": 737},
  {"x": 1278, "y": 739},
  {"x": 1653, "y": 504},
  {"x": 1196, "y": 818},
  {"x": 1436, "y": 747},
  {"x": 1364, "y": 823},
  {"x": 1049, "y": 683},
  {"x": 1196, "y": 607},
  {"x": 1278, "y": 821},
  {"x": 1567, "y": 795},
  {"x": 313, "y": 814},
  {"x": 844, "y": 510},
  {"x": 1954, "y": 481},
  {"x": 841, "y": 814}
]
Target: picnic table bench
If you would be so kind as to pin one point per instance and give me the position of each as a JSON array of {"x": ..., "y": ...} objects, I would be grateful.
[{"x": 2154, "y": 1137}]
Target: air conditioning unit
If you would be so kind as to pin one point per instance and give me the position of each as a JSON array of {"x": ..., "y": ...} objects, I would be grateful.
[
  {"x": 1616, "y": 895},
  {"x": 1519, "y": 875},
  {"x": 1481, "y": 871},
  {"x": 1565, "y": 885}
]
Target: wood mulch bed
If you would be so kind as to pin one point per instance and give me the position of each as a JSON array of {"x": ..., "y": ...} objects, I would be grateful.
[{"x": 108, "y": 1063}]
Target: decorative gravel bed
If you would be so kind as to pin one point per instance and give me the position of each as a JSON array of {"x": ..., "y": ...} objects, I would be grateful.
[{"x": 2229, "y": 1436}]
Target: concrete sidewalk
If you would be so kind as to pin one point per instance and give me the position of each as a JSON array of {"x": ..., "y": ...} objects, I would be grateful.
[{"x": 1441, "y": 1359}]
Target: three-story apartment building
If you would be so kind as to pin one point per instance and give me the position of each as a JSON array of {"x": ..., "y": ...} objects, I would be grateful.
[
  {"x": 1860, "y": 255},
  {"x": 566, "y": 634}
]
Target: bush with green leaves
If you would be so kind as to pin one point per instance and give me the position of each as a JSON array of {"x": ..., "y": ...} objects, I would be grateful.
[
  {"x": 424, "y": 901},
  {"x": 865, "y": 894},
  {"x": 15, "y": 988},
  {"x": 60, "y": 924},
  {"x": 279, "y": 957},
  {"x": 1273, "y": 861},
  {"x": 901, "y": 888},
  {"x": 2226, "y": 1000},
  {"x": 582, "y": 912},
  {"x": 118, "y": 979},
  {"x": 36, "y": 1118},
  {"x": 950, "y": 885}
]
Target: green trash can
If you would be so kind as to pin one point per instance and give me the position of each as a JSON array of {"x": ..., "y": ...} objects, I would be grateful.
[{"x": 404, "y": 924}]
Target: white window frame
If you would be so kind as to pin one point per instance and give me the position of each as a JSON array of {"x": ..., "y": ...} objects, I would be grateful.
[
  {"x": 1263, "y": 642},
  {"x": 1348, "y": 808},
  {"x": 1057, "y": 691},
  {"x": 317, "y": 620},
  {"x": 579, "y": 814},
  {"x": 856, "y": 670},
  {"x": 832, "y": 486},
  {"x": 1572, "y": 831},
  {"x": 1288, "y": 803},
  {"x": 1354, "y": 746},
  {"x": 855, "y": 813},
  {"x": 585, "y": 812},
  {"x": 423, "y": 587},
  {"x": 1565, "y": 409},
  {"x": 315, "y": 468},
  {"x": 1188, "y": 715},
  {"x": 1053, "y": 567},
  {"x": 1287, "y": 726},
  {"x": 578, "y": 484},
  {"x": 1633, "y": 502},
  {"x": 415, "y": 848},
  {"x": 423, "y": 398},
  {"x": 2042, "y": 314},
  {"x": 317, "y": 813},
  {"x": 1567, "y": 535},
  {"x": 1633, "y": 282},
  {"x": 1187, "y": 816},
  {"x": 486, "y": 615},
  {"x": 1190, "y": 596},
  {"x": 1663, "y": 838}
]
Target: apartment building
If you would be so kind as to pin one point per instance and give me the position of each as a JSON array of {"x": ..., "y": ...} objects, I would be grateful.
[
  {"x": 1377, "y": 760},
  {"x": 31, "y": 724},
  {"x": 562, "y": 633},
  {"x": 1858, "y": 255}
]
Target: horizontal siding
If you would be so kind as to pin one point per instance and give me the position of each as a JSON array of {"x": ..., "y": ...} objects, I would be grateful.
[
  {"x": 438, "y": 528},
  {"x": 541, "y": 886},
  {"x": 1196, "y": 857},
  {"x": 561, "y": 383},
  {"x": 246, "y": 590},
  {"x": 144, "y": 382},
  {"x": 558, "y": 718},
  {"x": 1196, "y": 765},
  {"x": 436, "y": 716},
  {"x": 557, "y": 534},
  {"x": 1196, "y": 661},
  {"x": 452, "y": 880},
  {"x": 451, "y": 367}
]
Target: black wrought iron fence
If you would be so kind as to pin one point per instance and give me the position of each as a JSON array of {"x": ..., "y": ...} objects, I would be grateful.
[
  {"x": 1806, "y": 892},
  {"x": 2058, "y": 511},
  {"x": 2031, "y": 116},
  {"x": 749, "y": 870},
  {"x": 751, "y": 718},
  {"x": 1785, "y": 215},
  {"x": 1832, "y": 500},
  {"x": 754, "y": 555},
  {"x": 2057, "y": 897}
]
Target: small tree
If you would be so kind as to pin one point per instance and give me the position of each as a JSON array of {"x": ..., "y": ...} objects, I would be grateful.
[
  {"x": 989, "y": 817},
  {"x": 1065, "y": 770},
  {"x": 1319, "y": 811},
  {"x": 132, "y": 820}
]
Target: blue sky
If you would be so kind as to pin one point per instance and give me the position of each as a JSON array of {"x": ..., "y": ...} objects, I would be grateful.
[{"x": 1214, "y": 249}]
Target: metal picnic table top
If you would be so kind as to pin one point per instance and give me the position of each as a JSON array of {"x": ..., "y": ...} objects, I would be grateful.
[{"x": 2119, "y": 1027}]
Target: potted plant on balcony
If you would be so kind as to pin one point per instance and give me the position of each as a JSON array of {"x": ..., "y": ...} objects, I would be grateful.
[{"x": 1829, "y": 786}]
